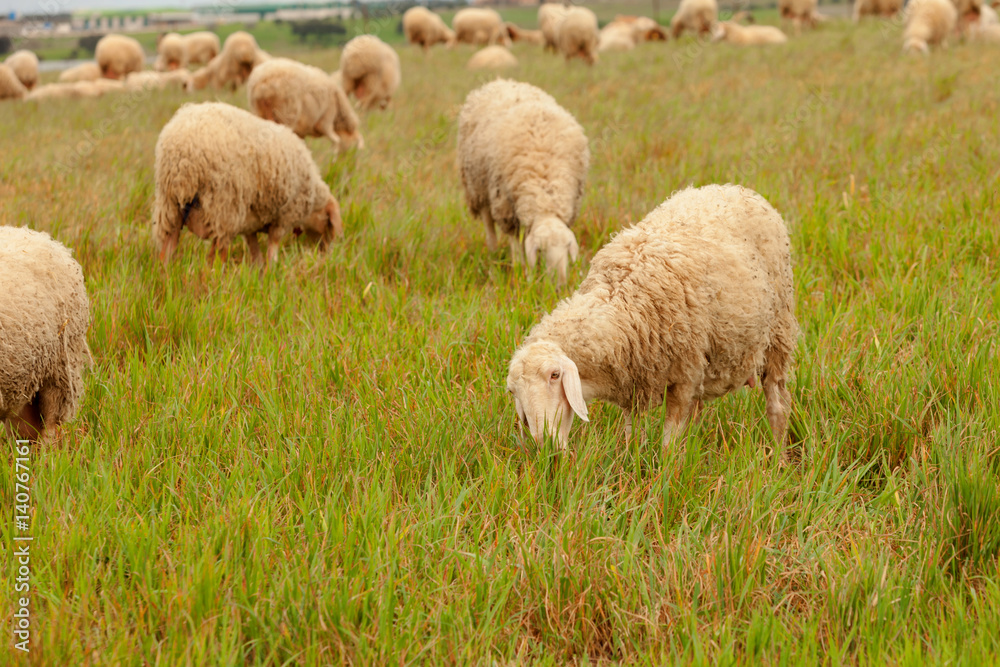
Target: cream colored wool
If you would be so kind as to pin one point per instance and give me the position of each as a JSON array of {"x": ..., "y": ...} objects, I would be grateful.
[
  {"x": 200, "y": 47},
  {"x": 82, "y": 72},
  {"x": 883, "y": 8},
  {"x": 647, "y": 30},
  {"x": 11, "y": 87},
  {"x": 519, "y": 34},
  {"x": 369, "y": 70},
  {"x": 44, "y": 315},
  {"x": 304, "y": 98},
  {"x": 748, "y": 35},
  {"x": 171, "y": 53},
  {"x": 577, "y": 35},
  {"x": 928, "y": 23},
  {"x": 222, "y": 172},
  {"x": 550, "y": 15},
  {"x": 24, "y": 64},
  {"x": 492, "y": 57},
  {"x": 425, "y": 28},
  {"x": 692, "y": 303},
  {"x": 232, "y": 67},
  {"x": 480, "y": 26},
  {"x": 988, "y": 33},
  {"x": 76, "y": 90},
  {"x": 117, "y": 55},
  {"x": 523, "y": 161},
  {"x": 695, "y": 15},
  {"x": 799, "y": 12},
  {"x": 617, "y": 37},
  {"x": 150, "y": 80}
]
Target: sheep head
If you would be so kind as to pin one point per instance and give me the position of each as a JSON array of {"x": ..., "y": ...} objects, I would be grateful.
[
  {"x": 324, "y": 224},
  {"x": 555, "y": 239},
  {"x": 547, "y": 391}
]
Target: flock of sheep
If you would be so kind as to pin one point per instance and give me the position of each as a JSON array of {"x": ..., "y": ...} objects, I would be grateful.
[{"x": 693, "y": 302}]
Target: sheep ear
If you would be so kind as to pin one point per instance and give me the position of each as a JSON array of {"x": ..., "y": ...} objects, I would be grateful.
[{"x": 573, "y": 388}]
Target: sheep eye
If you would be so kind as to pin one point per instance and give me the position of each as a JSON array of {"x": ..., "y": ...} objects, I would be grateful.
[{"x": 555, "y": 375}]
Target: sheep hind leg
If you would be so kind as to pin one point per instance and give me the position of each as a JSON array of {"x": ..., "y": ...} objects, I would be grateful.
[{"x": 779, "y": 399}]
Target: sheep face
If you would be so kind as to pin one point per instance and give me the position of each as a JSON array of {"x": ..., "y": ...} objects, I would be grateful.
[
  {"x": 325, "y": 224},
  {"x": 547, "y": 391},
  {"x": 556, "y": 240}
]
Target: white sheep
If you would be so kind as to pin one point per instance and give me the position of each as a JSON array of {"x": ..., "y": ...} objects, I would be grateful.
[
  {"x": 519, "y": 34},
  {"x": 75, "y": 90},
  {"x": 800, "y": 12},
  {"x": 369, "y": 70},
  {"x": 492, "y": 57},
  {"x": 577, "y": 35},
  {"x": 44, "y": 315},
  {"x": 81, "y": 72},
  {"x": 480, "y": 26},
  {"x": 24, "y": 64},
  {"x": 425, "y": 28},
  {"x": 11, "y": 87},
  {"x": 200, "y": 47},
  {"x": 523, "y": 161},
  {"x": 695, "y": 15},
  {"x": 117, "y": 55},
  {"x": 627, "y": 32},
  {"x": 171, "y": 52},
  {"x": 232, "y": 67},
  {"x": 692, "y": 303},
  {"x": 747, "y": 35},
  {"x": 549, "y": 16},
  {"x": 222, "y": 172},
  {"x": 304, "y": 98},
  {"x": 883, "y": 8},
  {"x": 928, "y": 23},
  {"x": 153, "y": 80},
  {"x": 987, "y": 27}
]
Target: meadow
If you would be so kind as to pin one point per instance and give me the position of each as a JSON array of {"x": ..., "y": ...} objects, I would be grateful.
[{"x": 318, "y": 464}]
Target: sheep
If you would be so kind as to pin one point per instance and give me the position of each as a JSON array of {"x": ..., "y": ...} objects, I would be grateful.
[
  {"x": 157, "y": 80},
  {"x": 305, "y": 99},
  {"x": 692, "y": 303},
  {"x": 425, "y": 28},
  {"x": 44, "y": 313},
  {"x": 11, "y": 87},
  {"x": 369, "y": 70},
  {"x": 749, "y": 35},
  {"x": 171, "y": 52},
  {"x": 626, "y": 32},
  {"x": 232, "y": 66},
  {"x": 523, "y": 161},
  {"x": 76, "y": 89},
  {"x": 24, "y": 65},
  {"x": 969, "y": 12},
  {"x": 696, "y": 15},
  {"x": 200, "y": 47},
  {"x": 799, "y": 12},
  {"x": 987, "y": 28},
  {"x": 577, "y": 35},
  {"x": 476, "y": 25},
  {"x": 222, "y": 172},
  {"x": 884, "y": 8},
  {"x": 647, "y": 30},
  {"x": 549, "y": 16},
  {"x": 117, "y": 55},
  {"x": 492, "y": 57},
  {"x": 519, "y": 34},
  {"x": 928, "y": 23},
  {"x": 82, "y": 72}
]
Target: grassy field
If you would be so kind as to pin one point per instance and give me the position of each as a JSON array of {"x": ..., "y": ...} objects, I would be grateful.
[{"x": 319, "y": 464}]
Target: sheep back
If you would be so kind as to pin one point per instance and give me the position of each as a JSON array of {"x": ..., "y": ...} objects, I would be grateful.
[
  {"x": 369, "y": 69},
  {"x": 577, "y": 35},
  {"x": 117, "y": 55},
  {"x": 24, "y": 64}
]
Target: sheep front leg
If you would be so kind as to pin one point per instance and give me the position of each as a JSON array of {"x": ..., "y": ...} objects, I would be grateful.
[
  {"x": 273, "y": 239},
  {"x": 334, "y": 139},
  {"x": 779, "y": 403},
  {"x": 680, "y": 405},
  {"x": 27, "y": 423},
  {"x": 169, "y": 245},
  {"x": 254, "y": 247},
  {"x": 491, "y": 232}
]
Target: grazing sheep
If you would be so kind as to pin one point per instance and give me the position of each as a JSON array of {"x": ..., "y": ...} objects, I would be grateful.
[
  {"x": 75, "y": 90},
  {"x": 748, "y": 35},
  {"x": 232, "y": 67},
  {"x": 492, "y": 57},
  {"x": 518, "y": 34},
  {"x": 200, "y": 47},
  {"x": 304, "y": 98},
  {"x": 369, "y": 70},
  {"x": 627, "y": 32},
  {"x": 695, "y": 15},
  {"x": 799, "y": 12},
  {"x": 928, "y": 23},
  {"x": 647, "y": 30},
  {"x": 479, "y": 26},
  {"x": 171, "y": 53},
  {"x": 883, "y": 8},
  {"x": 44, "y": 313},
  {"x": 986, "y": 33},
  {"x": 82, "y": 72},
  {"x": 177, "y": 78},
  {"x": 425, "y": 28},
  {"x": 24, "y": 65},
  {"x": 523, "y": 161},
  {"x": 692, "y": 303},
  {"x": 11, "y": 87},
  {"x": 550, "y": 15},
  {"x": 222, "y": 172},
  {"x": 117, "y": 55},
  {"x": 577, "y": 35}
]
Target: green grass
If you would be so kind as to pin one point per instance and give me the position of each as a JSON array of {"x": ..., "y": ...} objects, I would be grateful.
[{"x": 319, "y": 464}]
